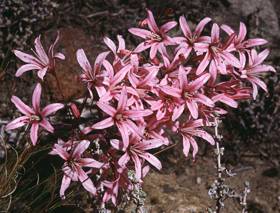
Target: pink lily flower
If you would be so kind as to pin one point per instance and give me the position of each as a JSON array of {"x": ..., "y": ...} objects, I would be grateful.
[
  {"x": 217, "y": 55},
  {"x": 190, "y": 129},
  {"x": 92, "y": 77},
  {"x": 73, "y": 167},
  {"x": 156, "y": 38},
  {"x": 190, "y": 38},
  {"x": 239, "y": 43},
  {"x": 34, "y": 116},
  {"x": 153, "y": 129},
  {"x": 137, "y": 152},
  {"x": 254, "y": 68},
  {"x": 114, "y": 76},
  {"x": 190, "y": 94},
  {"x": 168, "y": 99},
  {"x": 121, "y": 52},
  {"x": 121, "y": 117},
  {"x": 173, "y": 66},
  {"x": 113, "y": 187},
  {"x": 42, "y": 62},
  {"x": 228, "y": 92},
  {"x": 141, "y": 77}
]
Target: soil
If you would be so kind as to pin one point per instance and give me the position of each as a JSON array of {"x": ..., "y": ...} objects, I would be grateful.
[{"x": 182, "y": 185}]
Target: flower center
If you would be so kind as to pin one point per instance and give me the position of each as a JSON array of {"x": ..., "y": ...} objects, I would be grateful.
[
  {"x": 244, "y": 74},
  {"x": 35, "y": 118},
  {"x": 187, "y": 95},
  {"x": 119, "y": 117},
  {"x": 155, "y": 37}
]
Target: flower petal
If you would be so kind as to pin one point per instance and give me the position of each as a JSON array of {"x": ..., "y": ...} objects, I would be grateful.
[
  {"x": 124, "y": 159},
  {"x": 199, "y": 28},
  {"x": 140, "y": 32},
  {"x": 193, "y": 108},
  {"x": 110, "y": 44},
  {"x": 168, "y": 26},
  {"x": 22, "y": 107},
  {"x": 89, "y": 162},
  {"x": 151, "y": 159},
  {"x": 42, "y": 72},
  {"x": 83, "y": 61},
  {"x": 123, "y": 129},
  {"x": 151, "y": 22},
  {"x": 46, "y": 125},
  {"x": 151, "y": 144},
  {"x": 36, "y": 97},
  {"x": 18, "y": 122},
  {"x": 64, "y": 185},
  {"x": 27, "y": 58},
  {"x": 185, "y": 27},
  {"x": 86, "y": 182},
  {"x": 106, "y": 108},
  {"x": 80, "y": 148},
  {"x": 108, "y": 122},
  {"x": 122, "y": 100},
  {"x": 40, "y": 51},
  {"x": 51, "y": 108},
  {"x": 34, "y": 133},
  {"x": 26, "y": 67}
]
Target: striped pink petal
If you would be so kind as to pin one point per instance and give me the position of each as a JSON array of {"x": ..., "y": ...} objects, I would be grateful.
[
  {"x": 80, "y": 148},
  {"x": 27, "y": 58},
  {"x": 36, "y": 97},
  {"x": 42, "y": 72},
  {"x": 18, "y": 122},
  {"x": 86, "y": 181},
  {"x": 40, "y": 51},
  {"x": 64, "y": 185},
  {"x": 151, "y": 159},
  {"x": 89, "y": 162},
  {"x": 168, "y": 26},
  {"x": 106, "y": 123},
  {"x": 27, "y": 67},
  {"x": 51, "y": 108},
  {"x": 199, "y": 28},
  {"x": 140, "y": 32},
  {"x": 46, "y": 125},
  {"x": 83, "y": 61},
  {"x": 151, "y": 22},
  {"x": 185, "y": 27},
  {"x": 106, "y": 108},
  {"x": 34, "y": 133},
  {"x": 22, "y": 107}
]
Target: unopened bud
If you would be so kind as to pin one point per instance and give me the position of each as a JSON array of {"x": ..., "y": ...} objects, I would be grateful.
[{"x": 75, "y": 111}]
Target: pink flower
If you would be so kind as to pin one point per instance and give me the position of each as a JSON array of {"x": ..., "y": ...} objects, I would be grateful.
[
  {"x": 191, "y": 95},
  {"x": 114, "y": 77},
  {"x": 190, "y": 129},
  {"x": 92, "y": 77},
  {"x": 216, "y": 55},
  {"x": 240, "y": 44},
  {"x": 34, "y": 116},
  {"x": 254, "y": 68},
  {"x": 42, "y": 62},
  {"x": 122, "y": 117},
  {"x": 113, "y": 187},
  {"x": 72, "y": 152},
  {"x": 121, "y": 52},
  {"x": 167, "y": 99},
  {"x": 156, "y": 38},
  {"x": 190, "y": 38},
  {"x": 228, "y": 92},
  {"x": 136, "y": 151}
]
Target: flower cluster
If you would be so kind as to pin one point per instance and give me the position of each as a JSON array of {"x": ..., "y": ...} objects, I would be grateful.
[{"x": 141, "y": 100}]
